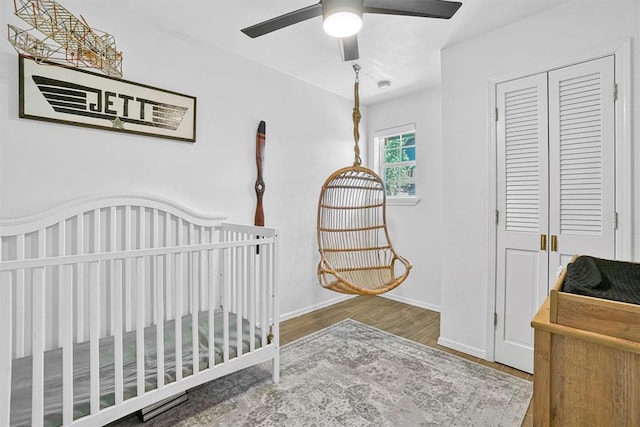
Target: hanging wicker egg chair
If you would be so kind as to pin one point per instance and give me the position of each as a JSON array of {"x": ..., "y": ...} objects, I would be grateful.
[{"x": 356, "y": 254}]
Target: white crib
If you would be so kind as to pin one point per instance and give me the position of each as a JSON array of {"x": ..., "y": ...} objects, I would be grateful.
[{"x": 90, "y": 297}]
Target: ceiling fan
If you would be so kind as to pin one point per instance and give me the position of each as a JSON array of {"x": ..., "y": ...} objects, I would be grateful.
[{"x": 343, "y": 18}]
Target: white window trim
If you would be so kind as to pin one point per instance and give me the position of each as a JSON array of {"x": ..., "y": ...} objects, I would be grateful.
[
  {"x": 377, "y": 161},
  {"x": 403, "y": 201}
]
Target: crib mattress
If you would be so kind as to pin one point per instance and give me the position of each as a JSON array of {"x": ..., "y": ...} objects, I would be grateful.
[{"x": 22, "y": 368}]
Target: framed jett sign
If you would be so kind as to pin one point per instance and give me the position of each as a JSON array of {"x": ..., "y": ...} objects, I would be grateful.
[{"x": 61, "y": 94}]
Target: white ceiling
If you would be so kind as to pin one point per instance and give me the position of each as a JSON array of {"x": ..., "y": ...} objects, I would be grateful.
[{"x": 404, "y": 50}]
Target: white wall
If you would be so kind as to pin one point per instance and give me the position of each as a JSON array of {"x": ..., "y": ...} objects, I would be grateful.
[
  {"x": 415, "y": 231},
  {"x": 563, "y": 32},
  {"x": 309, "y": 135}
]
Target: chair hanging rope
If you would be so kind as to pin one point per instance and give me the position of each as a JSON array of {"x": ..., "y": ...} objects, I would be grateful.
[
  {"x": 356, "y": 116},
  {"x": 356, "y": 254}
]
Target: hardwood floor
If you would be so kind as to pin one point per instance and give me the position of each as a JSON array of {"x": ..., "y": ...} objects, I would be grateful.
[{"x": 401, "y": 319}]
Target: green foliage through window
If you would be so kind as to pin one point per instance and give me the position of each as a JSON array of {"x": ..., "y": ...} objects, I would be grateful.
[{"x": 399, "y": 164}]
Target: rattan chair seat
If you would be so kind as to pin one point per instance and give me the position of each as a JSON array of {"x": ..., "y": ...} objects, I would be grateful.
[{"x": 356, "y": 254}]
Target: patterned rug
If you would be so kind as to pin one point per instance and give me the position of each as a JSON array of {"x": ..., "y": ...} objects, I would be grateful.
[{"x": 351, "y": 374}]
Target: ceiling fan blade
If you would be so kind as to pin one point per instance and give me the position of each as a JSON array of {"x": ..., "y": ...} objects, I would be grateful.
[
  {"x": 283, "y": 21},
  {"x": 350, "y": 48},
  {"x": 423, "y": 8}
]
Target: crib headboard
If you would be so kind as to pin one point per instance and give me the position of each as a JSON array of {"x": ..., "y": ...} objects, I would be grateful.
[
  {"x": 100, "y": 224},
  {"x": 116, "y": 215}
]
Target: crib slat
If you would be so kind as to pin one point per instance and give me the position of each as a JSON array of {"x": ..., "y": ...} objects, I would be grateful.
[
  {"x": 203, "y": 282},
  {"x": 112, "y": 248},
  {"x": 178, "y": 317},
  {"x": 269, "y": 278},
  {"x": 142, "y": 233},
  {"x": 20, "y": 299},
  {"x": 194, "y": 304},
  {"x": 155, "y": 280},
  {"x": 140, "y": 278},
  {"x": 61, "y": 282},
  {"x": 167, "y": 229},
  {"x": 169, "y": 283},
  {"x": 140, "y": 305},
  {"x": 159, "y": 304},
  {"x": 38, "y": 346},
  {"x": 153, "y": 285},
  {"x": 194, "y": 314},
  {"x": 141, "y": 227},
  {"x": 42, "y": 243},
  {"x": 96, "y": 231},
  {"x": 117, "y": 339},
  {"x": 240, "y": 260},
  {"x": 212, "y": 307},
  {"x": 80, "y": 278},
  {"x": 220, "y": 273},
  {"x": 94, "y": 334},
  {"x": 66, "y": 326},
  {"x": 234, "y": 273},
  {"x": 264, "y": 295},
  {"x": 251, "y": 296},
  {"x": 169, "y": 290},
  {"x": 128, "y": 299},
  {"x": 95, "y": 290},
  {"x": 203, "y": 278},
  {"x": 179, "y": 300},
  {"x": 226, "y": 301},
  {"x": 41, "y": 328},
  {"x": 49, "y": 294},
  {"x": 6, "y": 350},
  {"x": 276, "y": 308}
]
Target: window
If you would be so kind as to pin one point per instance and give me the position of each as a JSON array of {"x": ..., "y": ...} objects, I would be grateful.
[{"x": 395, "y": 159}]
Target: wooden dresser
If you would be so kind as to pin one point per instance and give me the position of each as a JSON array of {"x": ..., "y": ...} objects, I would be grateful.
[{"x": 586, "y": 362}]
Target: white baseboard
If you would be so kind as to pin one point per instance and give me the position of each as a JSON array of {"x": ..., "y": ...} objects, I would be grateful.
[
  {"x": 309, "y": 309},
  {"x": 462, "y": 347},
  {"x": 413, "y": 302},
  {"x": 441, "y": 341}
]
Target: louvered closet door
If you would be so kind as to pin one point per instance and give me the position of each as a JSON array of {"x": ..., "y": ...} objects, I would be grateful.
[
  {"x": 522, "y": 195},
  {"x": 555, "y": 178},
  {"x": 581, "y": 161}
]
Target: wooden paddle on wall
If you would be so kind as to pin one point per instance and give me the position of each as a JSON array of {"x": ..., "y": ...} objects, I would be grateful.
[{"x": 260, "y": 142}]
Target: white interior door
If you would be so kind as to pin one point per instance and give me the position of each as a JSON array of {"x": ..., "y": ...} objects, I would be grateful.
[
  {"x": 555, "y": 190},
  {"x": 581, "y": 162},
  {"x": 522, "y": 266}
]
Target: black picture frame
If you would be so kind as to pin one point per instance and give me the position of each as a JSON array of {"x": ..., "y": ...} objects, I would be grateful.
[{"x": 62, "y": 94}]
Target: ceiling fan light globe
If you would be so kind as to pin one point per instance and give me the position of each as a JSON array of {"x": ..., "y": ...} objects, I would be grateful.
[{"x": 343, "y": 22}]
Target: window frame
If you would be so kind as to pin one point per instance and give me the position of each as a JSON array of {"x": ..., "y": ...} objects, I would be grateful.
[{"x": 378, "y": 159}]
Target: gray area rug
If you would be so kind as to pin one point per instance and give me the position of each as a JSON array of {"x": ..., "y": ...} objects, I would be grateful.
[{"x": 351, "y": 374}]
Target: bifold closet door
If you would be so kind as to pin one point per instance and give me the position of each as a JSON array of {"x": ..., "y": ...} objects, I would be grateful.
[
  {"x": 581, "y": 162},
  {"x": 522, "y": 194},
  {"x": 555, "y": 190}
]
